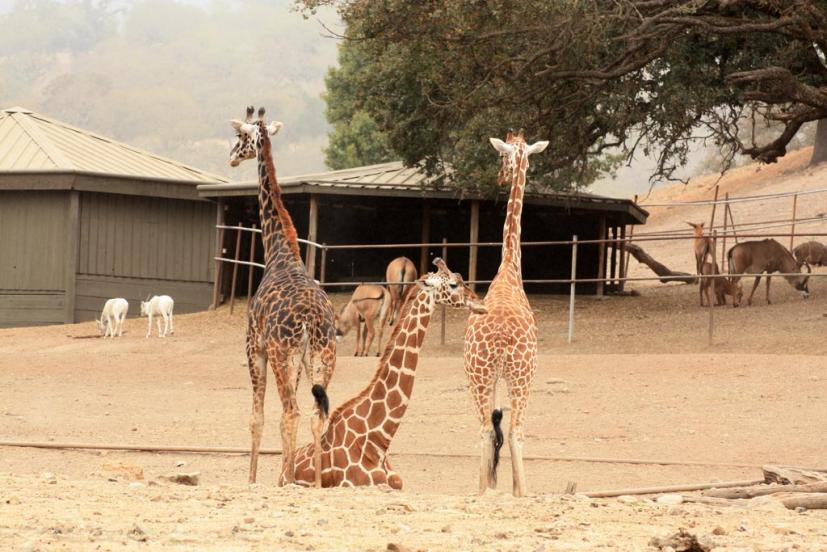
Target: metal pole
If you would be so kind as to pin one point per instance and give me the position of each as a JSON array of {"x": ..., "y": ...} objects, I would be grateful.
[
  {"x": 474, "y": 238},
  {"x": 792, "y": 228},
  {"x": 444, "y": 309},
  {"x": 713, "y": 284},
  {"x": 571, "y": 292},
  {"x": 251, "y": 269},
  {"x": 323, "y": 263},
  {"x": 235, "y": 265},
  {"x": 723, "y": 246},
  {"x": 219, "y": 252},
  {"x": 601, "y": 256},
  {"x": 712, "y": 218},
  {"x": 313, "y": 224}
]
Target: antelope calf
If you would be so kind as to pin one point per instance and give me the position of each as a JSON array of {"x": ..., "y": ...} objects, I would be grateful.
[
  {"x": 369, "y": 304},
  {"x": 701, "y": 245},
  {"x": 722, "y": 287},
  {"x": 400, "y": 273},
  {"x": 159, "y": 305}
]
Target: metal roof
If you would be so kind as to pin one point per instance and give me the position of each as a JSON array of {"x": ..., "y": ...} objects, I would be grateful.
[
  {"x": 34, "y": 143},
  {"x": 395, "y": 179}
]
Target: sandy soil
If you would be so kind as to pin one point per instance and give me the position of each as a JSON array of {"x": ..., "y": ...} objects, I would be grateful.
[{"x": 639, "y": 382}]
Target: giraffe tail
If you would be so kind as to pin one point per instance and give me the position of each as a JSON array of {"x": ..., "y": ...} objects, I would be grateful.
[
  {"x": 496, "y": 418},
  {"x": 322, "y": 401}
]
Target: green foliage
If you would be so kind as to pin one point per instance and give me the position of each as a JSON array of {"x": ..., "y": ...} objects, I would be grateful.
[
  {"x": 592, "y": 76},
  {"x": 168, "y": 75}
]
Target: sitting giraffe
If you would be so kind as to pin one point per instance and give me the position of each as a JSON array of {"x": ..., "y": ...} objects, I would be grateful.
[
  {"x": 355, "y": 445},
  {"x": 290, "y": 320},
  {"x": 503, "y": 342}
]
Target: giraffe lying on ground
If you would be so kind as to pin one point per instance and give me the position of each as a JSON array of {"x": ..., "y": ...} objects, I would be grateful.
[
  {"x": 503, "y": 343},
  {"x": 355, "y": 445},
  {"x": 290, "y": 322}
]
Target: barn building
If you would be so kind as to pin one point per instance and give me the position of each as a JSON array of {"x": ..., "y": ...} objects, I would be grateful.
[
  {"x": 84, "y": 218},
  {"x": 392, "y": 204}
]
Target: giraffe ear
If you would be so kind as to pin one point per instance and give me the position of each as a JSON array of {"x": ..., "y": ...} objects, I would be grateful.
[
  {"x": 536, "y": 147},
  {"x": 501, "y": 146},
  {"x": 274, "y": 127}
]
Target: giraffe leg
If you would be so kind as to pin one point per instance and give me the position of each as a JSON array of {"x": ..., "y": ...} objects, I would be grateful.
[
  {"x": 519, "y": 375},
  {"x": 320, "y": 370},
  {"x": 287, "y": 371},
  {"x": 257, "y": 363},
  {"x": 482, "y": 364}
]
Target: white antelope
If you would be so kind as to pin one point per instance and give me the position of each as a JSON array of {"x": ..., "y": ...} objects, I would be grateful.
[
  {"x": 112, "y": 317},
  {"x": 159, "y": 305}
]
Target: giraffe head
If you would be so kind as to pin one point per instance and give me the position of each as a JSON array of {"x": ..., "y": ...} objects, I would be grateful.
[
  {"x": 448, "y": 288},
  {"x": 248, "y": 135},
  {"x": 512, "y": 151}
]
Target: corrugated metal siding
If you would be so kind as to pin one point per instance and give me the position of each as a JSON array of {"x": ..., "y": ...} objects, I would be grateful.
[
  {"x": 33, "y": 240},
  {"x": 31, "y": 309},
  {"x": 139, "y": 237}
]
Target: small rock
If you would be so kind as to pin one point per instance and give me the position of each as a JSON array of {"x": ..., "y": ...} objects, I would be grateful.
[
  {"x": 670, "y": 499},
  {"x": 13, "y": 500},
  {"x": 49, "y": 477},
  {"x": 627, "y": 499},
  {"x": 249, "y": 520},
  {"x": 682, "y": 541},
  {"x": 289, "y": 534},
  {"x": 393, "y": 547},
  {"x": 719, "y": 531},
  {"x": 136, "y": 485},
  {"x": 321, "y": 521},
  {"x": 180, "y": 464},
  {"x": 183, "y": 478},
  {"x": 446, "y": 529},
  {"x": 138, "y": 534},
  {"x": 501, "y": 536}
]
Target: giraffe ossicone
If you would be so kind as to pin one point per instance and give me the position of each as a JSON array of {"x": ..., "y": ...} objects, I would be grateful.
[
  {"x": 290, "y": 326},
  {"x": 355, "y": 446}
]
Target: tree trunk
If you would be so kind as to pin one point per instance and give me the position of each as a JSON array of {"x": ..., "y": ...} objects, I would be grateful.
[{"x": 820, "y": 147}]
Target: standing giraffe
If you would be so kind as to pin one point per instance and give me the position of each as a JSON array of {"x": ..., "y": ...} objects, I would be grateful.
[
  {"x": 355, "y": 445},
  {"x": 290, "y": 320},
  {"x": 503, "y": 342}
]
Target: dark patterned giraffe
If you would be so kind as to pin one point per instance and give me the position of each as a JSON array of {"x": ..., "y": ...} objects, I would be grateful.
[
  {"x": 503, "y": 342},
  {"x": 355, "y": 445},
  {"x": 290, "y": 322}
]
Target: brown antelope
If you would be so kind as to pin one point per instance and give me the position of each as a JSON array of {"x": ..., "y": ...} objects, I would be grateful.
[
  {"x": 403, "y": 271},
  {"x": 722, "y": 287},
  {"x": 758, "y": 257},
  {"x": 368, "y": 304},
  {"x": 812, "y": 253},
  {"x": 702, "y": 246}
]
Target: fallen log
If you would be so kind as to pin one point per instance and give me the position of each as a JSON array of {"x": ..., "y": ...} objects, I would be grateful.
[
  {"x": 670, "y": 488},
  {"x": 808, "y": 501},
  {"x": 666, "y": 275},
  {"x": 763, "y": 490},
  {"x": 788, "y": 475}
]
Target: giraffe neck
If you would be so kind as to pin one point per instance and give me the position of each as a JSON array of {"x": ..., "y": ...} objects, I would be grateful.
[
  {"x": 392, "y": 385},
  {"x": 511, "y": 229},
  {"x": 277, "y": 231}
]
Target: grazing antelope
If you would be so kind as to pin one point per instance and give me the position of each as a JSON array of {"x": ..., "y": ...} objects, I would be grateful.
[
  {"x": 812, "y": 252},
  {"x": 369, "y": 303},
  {"x": 722, "y": 287},
  {"x": 701, "y": 245},
  {"x": 757, "y": 257},
  {"x": 403, "y": 271},
  {"x": 112, "y": 317}
]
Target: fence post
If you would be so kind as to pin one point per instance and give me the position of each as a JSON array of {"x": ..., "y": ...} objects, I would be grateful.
[
  {"x": 251, "y": 268},
  {"x": 628, "y": 253},
  {"x": 712, "y": 218},
  {"x": 571, "y": 292},
  {"x": 475, "y": 237},
  {"x": 601, "y": 256},
  {"x": 792, "y": 229},
  {"x": 313, "y": 225},
  {"x": 444, "y": 309},
  {"x": 323, "y": 263},
  {"x": 235, "y": 265},
  {"x": 713, "y": 284},
  {"x": 219, "y": 251},
  {"x": 723, "y": 246}
]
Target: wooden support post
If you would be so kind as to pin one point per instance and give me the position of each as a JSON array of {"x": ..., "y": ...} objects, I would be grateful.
[
  {"x": 235, "y": 265},
  {"x": 601, "y": 256},
  {"x": 623, "y": 258},
  {"x": 71, "y": 261},
  {"x": 425, "y": 237},
  {"x": 712, "y": 218},
  {"x": 713, "y": 300},
  {"x": 251, "y": 268},
  {"x": 219, "y": 250},
  {"x": 323, "y": 263},
  {"x": 613, "y": 260},
  {"x": 792, "y": 226},
  {"x": 313, "y": 225},
  {"x": 732, "y": 223},
  {"x": 724, "y": 270},
  {"x": 444, "y": 309},
  {"x": 571, "y": 287},
  {"x": 626, "y": 263},
  {"x": 474, "y": 238}
]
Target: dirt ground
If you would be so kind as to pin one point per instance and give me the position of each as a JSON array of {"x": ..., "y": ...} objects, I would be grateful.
[{"x": 664, "y": 396}]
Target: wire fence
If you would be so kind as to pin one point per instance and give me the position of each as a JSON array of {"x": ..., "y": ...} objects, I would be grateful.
[{"x": 728, "y": 229}]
